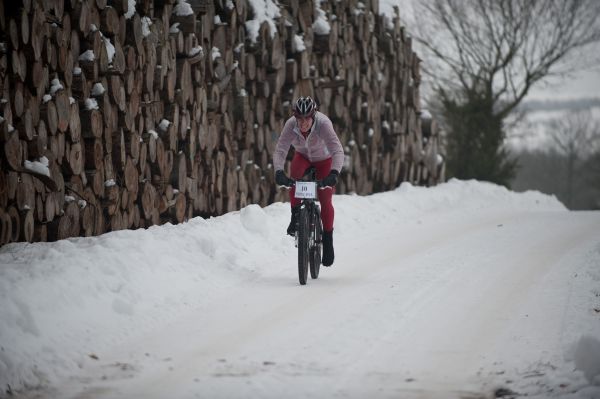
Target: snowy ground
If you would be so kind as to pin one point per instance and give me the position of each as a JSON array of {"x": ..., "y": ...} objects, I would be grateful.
[{"x": 465, "y": 290}]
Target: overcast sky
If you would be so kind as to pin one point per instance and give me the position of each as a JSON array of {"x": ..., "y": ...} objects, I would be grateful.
[{"x": 581, "y": 84}]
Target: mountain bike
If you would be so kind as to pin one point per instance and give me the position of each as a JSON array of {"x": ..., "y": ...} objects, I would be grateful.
[{"x": 309, "y": 229}]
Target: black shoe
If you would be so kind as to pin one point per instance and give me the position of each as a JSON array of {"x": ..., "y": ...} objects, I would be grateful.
[
  {"x": 328, "y": 254},
  {"x": 291, "y": 230}
]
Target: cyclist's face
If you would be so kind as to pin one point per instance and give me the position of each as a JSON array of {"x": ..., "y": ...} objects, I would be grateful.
[{"x": 304, "y": 123}]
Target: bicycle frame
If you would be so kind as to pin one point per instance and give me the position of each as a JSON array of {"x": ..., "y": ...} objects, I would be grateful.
[{"x": 312, "y": 206}]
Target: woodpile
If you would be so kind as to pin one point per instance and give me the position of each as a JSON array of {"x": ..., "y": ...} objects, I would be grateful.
[{"x": 121, "y": 114}]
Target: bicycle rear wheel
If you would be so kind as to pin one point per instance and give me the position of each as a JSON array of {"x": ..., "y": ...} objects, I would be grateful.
[
  {"x": 303, "y": 243},
  {"x": 315, "y": 249}
]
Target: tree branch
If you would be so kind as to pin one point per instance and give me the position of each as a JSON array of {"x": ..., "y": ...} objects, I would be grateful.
[{"x": 501, "y": 48}]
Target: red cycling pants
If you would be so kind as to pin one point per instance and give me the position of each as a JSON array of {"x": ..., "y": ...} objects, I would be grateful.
[{"x": 297, "y": 168}]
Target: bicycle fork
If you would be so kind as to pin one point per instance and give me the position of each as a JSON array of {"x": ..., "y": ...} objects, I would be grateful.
[{"x": 311, "y": 228}]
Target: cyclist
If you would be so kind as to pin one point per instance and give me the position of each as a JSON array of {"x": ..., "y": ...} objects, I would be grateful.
[{"x": 316, "y": 144}]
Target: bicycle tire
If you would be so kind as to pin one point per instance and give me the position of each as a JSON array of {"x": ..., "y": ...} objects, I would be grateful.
[
  {"x": 303, "y": 243},
  {"x": 315, "y": 250}
]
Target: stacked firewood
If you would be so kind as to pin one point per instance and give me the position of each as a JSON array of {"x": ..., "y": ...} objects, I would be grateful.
[{"x": 120, "y": 114}]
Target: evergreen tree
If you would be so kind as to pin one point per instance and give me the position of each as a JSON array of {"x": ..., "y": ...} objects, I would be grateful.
[{"x": 474, "y": 148}]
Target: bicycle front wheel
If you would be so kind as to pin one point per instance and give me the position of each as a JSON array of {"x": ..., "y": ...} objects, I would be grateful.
[
  {"x": 303, "y": 244},
  {"x": 315, "y": 249}
]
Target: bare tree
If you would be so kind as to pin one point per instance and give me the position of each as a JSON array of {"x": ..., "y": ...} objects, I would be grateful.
[
  {"x": 577, "y": 137},
  {"x": 487, "y": 54},
  {"x": 506, "y": 46}
]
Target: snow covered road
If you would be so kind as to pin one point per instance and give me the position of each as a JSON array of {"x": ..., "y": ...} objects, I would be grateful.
[{"x": 452, "y": 292}]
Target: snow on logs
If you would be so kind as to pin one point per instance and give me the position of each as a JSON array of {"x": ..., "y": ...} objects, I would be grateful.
[{"x": 120, "y": 114}]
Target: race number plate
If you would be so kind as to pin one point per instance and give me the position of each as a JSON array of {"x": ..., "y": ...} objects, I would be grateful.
[{"x": 306, "y": 189}]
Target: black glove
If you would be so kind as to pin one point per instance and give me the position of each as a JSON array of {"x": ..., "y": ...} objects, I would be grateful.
[
  {"x": 282, "y": 179},
  {"x": 331, "y": 179}
]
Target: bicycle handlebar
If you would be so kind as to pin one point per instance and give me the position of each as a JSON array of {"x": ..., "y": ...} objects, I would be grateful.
[{"x": 319, "y": 185}]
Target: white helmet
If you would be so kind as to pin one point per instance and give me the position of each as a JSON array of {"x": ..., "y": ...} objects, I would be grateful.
[{"x": 305, "y": 107}]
